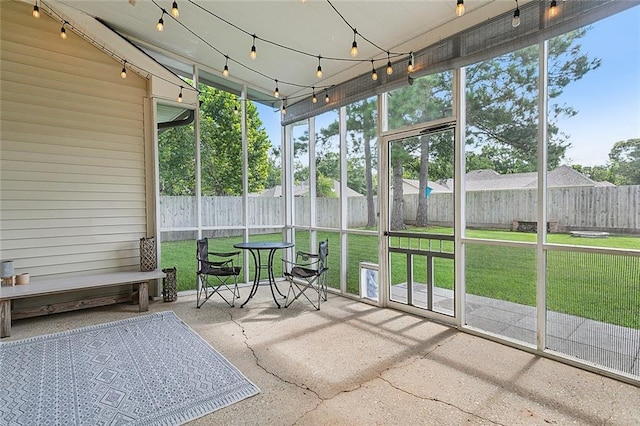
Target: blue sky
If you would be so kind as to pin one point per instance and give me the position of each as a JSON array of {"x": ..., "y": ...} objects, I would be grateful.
[{"x": 607, "y": 99}]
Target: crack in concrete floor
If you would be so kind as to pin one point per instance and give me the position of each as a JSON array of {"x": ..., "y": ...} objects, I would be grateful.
[{"x": 379, "y": 375}]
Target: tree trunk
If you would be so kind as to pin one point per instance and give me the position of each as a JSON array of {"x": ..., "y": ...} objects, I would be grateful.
[
  {"x": 371, "y": 213},
  {"x": 422, "y": 214},
  {"x": 397, "y": 210}
]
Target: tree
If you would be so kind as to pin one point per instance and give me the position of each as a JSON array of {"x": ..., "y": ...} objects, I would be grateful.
[
  {"x": 596, "y": 173},
  {"x": 625, "y": 162},
  {"x": 502, "y": 97},
  {"x": 361, "y": 123},
  {"x": 221, "y": 149}
]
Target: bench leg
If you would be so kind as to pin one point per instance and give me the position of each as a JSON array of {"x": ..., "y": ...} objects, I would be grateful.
[
  {"x": 5, "y": 318},
  {"x": 143, "y": 296}
]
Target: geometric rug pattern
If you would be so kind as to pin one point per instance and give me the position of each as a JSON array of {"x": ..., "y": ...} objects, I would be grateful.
[{"x": 147, "y": 370}]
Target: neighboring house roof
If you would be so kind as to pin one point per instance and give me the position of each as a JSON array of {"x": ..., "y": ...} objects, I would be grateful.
[
  {"x": 411, "y": 186},
  {"x": 485, "y": 180},
  {"x": 303, "y": 189}
]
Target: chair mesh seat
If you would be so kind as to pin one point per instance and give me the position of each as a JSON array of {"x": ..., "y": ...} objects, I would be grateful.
[{"x": 300, "y": 272}]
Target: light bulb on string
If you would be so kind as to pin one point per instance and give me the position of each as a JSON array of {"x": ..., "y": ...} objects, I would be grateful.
[
  {"x": 284, "y": 106},
  {"x": 276, "y": 92},
  {"x": 374, "y": 74},
  {"x": 515, "y": 21},
  {"x": 389, "y": 67},
  {"x": 36, "y": 11},
  {"x": 553, "y": 9},
  {"x": 174, "y": 10},
  {"x": 326, "y": 96},
  {"x": 63, "y": 31},
  {"x": 160, "y": 24},
  {"x": 410, "y": 66},
  {"x": 253, "y": 54},
  {"x": 180, "y": 95},
  {"x": 314, "y": 99},
  {"x": 123, "y": 73},
  {"x": 354, "y": 45},
  {"x": 225, "y": 71},
  {"x": 319, "y": 71},
  {"x": 460, "y": 8},
  {"x": 235, "y": 109}
]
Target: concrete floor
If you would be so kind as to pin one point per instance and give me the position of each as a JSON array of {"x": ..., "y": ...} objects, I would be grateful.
[{"x": 354, "y": 364}]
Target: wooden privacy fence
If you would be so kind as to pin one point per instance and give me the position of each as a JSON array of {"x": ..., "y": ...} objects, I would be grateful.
[{"x": 610, "y": 209}]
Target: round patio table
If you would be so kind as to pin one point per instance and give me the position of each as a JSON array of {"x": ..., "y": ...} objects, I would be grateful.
[{"x": 255, "y": 248}]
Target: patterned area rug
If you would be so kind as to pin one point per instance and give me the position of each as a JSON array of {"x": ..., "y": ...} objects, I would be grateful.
[{"x": 151, "y": 369}]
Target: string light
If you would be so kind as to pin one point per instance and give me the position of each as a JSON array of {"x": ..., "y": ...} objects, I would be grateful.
[
  {"x": 515, "y": 22},
  {"x": 326, "y": 96},
  {"x": 553, "y": 9},
  {"x": 460, "y": 8},
  {"x": 225, "y": 71},
  {"x": 160, "y": 24},
  {"x": 410, "y": 66},
  {"x": 374, "y": 74},
  {"x": 354, "y": 45},
  {"x": 389, "y": 67},
  {"x": 174, "y": 10},
  {"x": 314, "y": 99},
  {"x": 235, "y": 109},
  {"x": 90, "y": 39},
  {"x": 276, "y": 92},
  {"x": 284, "y": 106},
  {"x": 36, "y": 10},
  {"x": 253, "y": 54},
  {"x": 319, "y": 71}
]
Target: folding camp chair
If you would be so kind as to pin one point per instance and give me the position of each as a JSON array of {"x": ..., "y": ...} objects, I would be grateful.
[
  {"x": 216, "y": 273},
  {"x": 308, "y": 273}
]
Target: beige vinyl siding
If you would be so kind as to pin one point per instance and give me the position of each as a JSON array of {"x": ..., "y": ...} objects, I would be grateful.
[{"x": 73, "y": 182}]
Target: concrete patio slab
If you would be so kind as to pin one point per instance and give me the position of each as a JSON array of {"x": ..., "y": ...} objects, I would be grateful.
[{"x": 354, "y": 364}]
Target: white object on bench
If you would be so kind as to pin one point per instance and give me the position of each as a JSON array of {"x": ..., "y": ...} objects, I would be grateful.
[{"x": 44, "y": 286}]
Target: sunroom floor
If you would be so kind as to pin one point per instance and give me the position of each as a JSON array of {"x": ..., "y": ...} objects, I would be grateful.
[{"x": 353, "y": 364}]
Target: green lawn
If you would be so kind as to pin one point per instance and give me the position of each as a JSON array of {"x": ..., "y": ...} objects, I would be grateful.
[{"x": 598, "y": 286}]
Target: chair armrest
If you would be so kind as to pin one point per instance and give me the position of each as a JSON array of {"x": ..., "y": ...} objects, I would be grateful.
[
  {"x": 224, "y": 254},
  {"x": 305, "y": 254},
  {"x": 222, "y": 263}
]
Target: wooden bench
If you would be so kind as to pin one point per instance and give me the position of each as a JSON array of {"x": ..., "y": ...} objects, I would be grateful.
[{"x": 47, "y": 286}]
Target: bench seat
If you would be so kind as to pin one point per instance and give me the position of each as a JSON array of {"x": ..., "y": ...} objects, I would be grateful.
[{"x": 54, "y": 285}]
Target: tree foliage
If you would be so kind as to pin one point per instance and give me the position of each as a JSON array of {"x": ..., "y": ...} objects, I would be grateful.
[
  {"x": 502, "y": 105},
  {"x": 220, "y": 150},
  {"x": 624, "y": 161}
]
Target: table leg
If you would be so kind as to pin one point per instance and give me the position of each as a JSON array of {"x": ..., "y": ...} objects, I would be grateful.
[
  {"x": 256, "y": 275},
  {"x": 272, "y": 278},
  {"x": 272, "y": 281},
  {"x": 5, "y": 318}
]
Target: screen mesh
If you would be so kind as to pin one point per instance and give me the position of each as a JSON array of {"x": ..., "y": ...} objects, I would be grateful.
[{"x": 486, "y": 40}]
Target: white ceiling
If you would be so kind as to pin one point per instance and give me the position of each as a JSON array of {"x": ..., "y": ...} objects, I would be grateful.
[{"x": 311, "y": 26}]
